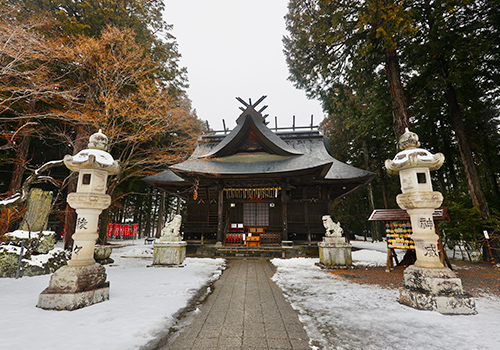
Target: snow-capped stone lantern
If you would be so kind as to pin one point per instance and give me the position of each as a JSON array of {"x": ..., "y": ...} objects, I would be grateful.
[
  {"x": 93, "y": 165},
  {"x": 428, "y": 284},
  {"x": 413, "y": 165},
  {"x": 83, "y": 282}
]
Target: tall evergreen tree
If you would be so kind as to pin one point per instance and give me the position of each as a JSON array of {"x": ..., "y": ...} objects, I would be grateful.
[
  {"x": 327, "y": 39},
  {"x": 453, "y": 50},
  {"x": 449, "y": 50}
]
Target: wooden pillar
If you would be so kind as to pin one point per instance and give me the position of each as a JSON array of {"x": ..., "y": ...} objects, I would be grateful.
[
  {"x": 307, "y": 222},
  {"x": 284, "y": 204},
  {"x": 178, "y": 210},
  {"x": 220, "y": 214},
  {"x": 161, "y": 214}
]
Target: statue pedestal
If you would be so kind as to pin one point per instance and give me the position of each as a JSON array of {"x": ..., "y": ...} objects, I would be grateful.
[
  {"x": 334, "y": 252},
  {"x": 169, "y": 253},
  {"x": 435, "y": 289},
  {"x": 74, "y": 287}
]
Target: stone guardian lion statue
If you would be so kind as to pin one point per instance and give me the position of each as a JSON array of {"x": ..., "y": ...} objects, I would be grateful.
[
  {"x": 171, "y": 230},
  {"x": 332, "y": 229}
]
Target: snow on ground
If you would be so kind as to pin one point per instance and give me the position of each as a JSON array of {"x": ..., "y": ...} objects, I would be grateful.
[
  {"x": 21, "y": 234},
  {"x": 141, "y": 305},
  {"x": 339, "y": 314},
  {"x": 372, "y": 253}
]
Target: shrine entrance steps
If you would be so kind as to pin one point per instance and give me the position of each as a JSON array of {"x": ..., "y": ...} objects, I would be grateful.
[
  {"x": 270, "y": 252},
  {"x": 246, "y": 310}
]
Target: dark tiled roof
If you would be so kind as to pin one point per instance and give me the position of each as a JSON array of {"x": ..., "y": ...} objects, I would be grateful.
[
  {"x": 280, "y": 153},
  {"x": 166, "y": 176}
]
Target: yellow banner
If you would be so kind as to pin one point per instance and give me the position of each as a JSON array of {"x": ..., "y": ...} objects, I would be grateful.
[{"x": 249, "y": 193}]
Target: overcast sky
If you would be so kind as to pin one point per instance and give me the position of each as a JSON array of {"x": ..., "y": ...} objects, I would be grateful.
[{"x": 234, "y": 48}]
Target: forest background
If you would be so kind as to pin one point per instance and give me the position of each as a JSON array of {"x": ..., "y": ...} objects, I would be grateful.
[
  {"x": 379, "y": 66},
  {"x": 71, "y": 67}
]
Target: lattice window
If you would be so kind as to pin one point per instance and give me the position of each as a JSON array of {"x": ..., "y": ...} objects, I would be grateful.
[
  {"x": 256, "y": 214},
  {"x": 313, "y": 192}
]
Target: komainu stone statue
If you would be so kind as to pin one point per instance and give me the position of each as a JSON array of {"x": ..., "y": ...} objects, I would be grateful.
[
  {"x": 170, "y": 250},
  {"x": 332, "y": 229},
  {"x": 334, "y": 251},
  {"x": 171, "y": 230}
]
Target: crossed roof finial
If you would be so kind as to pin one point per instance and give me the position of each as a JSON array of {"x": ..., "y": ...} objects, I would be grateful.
[{"x": 253, "y": 105}]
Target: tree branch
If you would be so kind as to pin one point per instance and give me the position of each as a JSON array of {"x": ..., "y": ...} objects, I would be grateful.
[{"x": 22, "y": 195}]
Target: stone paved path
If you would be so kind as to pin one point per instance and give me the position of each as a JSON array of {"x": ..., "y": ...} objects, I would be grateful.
[{"x": 245, "y": 311}]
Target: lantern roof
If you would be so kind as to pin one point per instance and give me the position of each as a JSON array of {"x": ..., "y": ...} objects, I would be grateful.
[
  {"x": 412, "y": 157},
  {"x": 94, "y": 157}
]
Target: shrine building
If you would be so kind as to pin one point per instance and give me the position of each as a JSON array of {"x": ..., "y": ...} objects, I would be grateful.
[{"x": 258, "y": 186}]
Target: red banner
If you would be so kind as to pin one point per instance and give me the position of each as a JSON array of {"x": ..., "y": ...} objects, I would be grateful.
[
  {"x": 118, "y": 230},
  {"x": 126, "y": 230},
  {"x": 110, "y": 230}
]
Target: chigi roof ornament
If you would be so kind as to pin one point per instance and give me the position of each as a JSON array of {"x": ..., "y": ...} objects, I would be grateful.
[{"x": 250, "y": 108}]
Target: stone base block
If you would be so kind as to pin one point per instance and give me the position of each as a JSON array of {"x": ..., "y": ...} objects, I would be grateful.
[
  {"x": 169, "y": 253},
  {"x": 72, "y": 279},
  {"x": 436, "y": 281},
  {"x": 49, "y": 300},
  {"x": 435, "y": 289},
  {"x": 461, "y": 304},
  {"x": 333, "y": 240},
  {"x": 335, "y": 254},
  {"x": 74, "y": 287}
]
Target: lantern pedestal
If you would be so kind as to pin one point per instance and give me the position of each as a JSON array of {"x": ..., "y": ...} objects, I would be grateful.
[
  {"x": 169, "y": 253},
  {"x": 435, "y": 289},
  {"x": 334, "y": 252},
  {"x": 74, "y": 287}
]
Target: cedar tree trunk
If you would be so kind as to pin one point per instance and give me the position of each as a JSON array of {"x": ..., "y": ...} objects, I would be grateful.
[
  {"x": 399, "y": 116},
  {"x": 475, "y": 189}
]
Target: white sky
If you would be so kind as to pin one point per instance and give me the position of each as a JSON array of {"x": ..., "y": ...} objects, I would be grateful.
[{"x": 233, "y": 48}]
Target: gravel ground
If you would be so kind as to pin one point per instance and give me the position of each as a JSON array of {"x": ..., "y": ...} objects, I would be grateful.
[{"x": 478, "y": 279}]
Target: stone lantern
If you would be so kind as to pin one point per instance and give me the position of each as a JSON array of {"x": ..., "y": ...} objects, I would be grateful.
[
  {"x": 83, "y": 282},
  {"x": 428, "y": 285}
]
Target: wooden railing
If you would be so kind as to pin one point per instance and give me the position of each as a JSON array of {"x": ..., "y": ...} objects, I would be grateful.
[{"x": 270, "y": 239}]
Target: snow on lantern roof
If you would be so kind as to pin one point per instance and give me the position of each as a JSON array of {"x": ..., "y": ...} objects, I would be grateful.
[
  {"x": 98, "y": 141},
  {"x": 411, "y": 156},
  {"x": 94, "y": 157}
]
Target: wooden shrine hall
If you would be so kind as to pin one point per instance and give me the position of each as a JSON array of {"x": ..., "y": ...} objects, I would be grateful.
[{"x": 257, "y": 186}]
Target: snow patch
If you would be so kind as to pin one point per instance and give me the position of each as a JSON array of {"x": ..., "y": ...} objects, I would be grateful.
[
  {"x": 338, "y": 314},
  {"x": 101, "y": 157},
  {"x": 20, "y": 234},
  {"x": 141, "y": 306}
]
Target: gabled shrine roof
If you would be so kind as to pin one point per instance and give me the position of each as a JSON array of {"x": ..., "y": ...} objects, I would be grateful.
[
  {"x": 249, "y": 124},
  {"x": 252, "y": 149}
]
